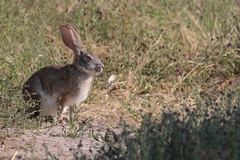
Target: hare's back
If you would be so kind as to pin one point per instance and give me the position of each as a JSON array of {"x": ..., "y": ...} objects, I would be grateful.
[{"x": 49, "y": 80}]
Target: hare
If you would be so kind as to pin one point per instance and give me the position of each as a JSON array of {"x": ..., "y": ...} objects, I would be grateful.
[{"x": 57, "y": 86}]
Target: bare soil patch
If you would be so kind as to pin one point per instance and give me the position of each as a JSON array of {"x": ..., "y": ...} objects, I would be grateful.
[{"x": 47, "y": 143}]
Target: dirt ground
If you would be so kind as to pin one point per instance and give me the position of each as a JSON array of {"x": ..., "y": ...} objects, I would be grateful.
[
  {"x": 47, "y": 143},
  {"x": 51, "y": 142}
]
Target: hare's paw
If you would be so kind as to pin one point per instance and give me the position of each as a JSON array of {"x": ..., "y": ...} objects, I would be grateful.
[
  {"x": 64, "y": 119},
  {"x": 67, "y": 114}
]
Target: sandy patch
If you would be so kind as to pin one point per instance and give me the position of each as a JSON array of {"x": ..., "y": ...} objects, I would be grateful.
[{"x": 47, "y": 143}]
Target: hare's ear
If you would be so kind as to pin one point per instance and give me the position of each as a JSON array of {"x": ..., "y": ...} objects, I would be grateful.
[{"x": 71, "y": 38}]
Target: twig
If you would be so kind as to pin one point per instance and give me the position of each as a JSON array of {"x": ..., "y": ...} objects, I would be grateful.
[{"x": 12, "y": 158}]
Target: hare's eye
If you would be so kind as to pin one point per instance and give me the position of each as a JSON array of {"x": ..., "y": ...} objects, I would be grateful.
[{"x": 88, "y": 58}]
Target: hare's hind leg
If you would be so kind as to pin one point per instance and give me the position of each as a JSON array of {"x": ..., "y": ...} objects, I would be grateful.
[{"x": 49, "y": 105}]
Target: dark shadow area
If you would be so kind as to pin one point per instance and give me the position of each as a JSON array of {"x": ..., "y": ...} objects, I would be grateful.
[{"x": 211, "y": 131}]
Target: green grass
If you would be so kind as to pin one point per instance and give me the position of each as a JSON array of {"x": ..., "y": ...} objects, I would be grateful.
[{"x": 169, "y": 57}]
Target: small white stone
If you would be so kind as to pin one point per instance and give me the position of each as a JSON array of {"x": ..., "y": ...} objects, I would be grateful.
[{"x": 111, "y": 79}]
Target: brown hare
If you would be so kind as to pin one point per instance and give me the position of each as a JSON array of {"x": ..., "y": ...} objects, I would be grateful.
[{"x": 58, "y": 86}]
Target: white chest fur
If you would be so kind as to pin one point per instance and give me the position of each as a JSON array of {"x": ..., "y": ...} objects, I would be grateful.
[{"x": 81, "y": 96}]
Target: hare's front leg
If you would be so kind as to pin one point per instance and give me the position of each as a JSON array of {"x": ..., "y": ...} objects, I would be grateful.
[
  {"x": 65, "y": 107},
  {"x": 70, "y": 116}
]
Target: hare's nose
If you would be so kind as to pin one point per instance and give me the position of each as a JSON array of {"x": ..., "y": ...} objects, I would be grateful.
[{"x": 102, "y": 65}]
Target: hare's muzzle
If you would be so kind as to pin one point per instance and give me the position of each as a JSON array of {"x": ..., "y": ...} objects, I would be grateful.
[{"x": 99, "y": 67}]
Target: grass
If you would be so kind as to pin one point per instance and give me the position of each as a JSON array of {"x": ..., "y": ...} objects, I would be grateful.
[{"x": 175, "y": 60}]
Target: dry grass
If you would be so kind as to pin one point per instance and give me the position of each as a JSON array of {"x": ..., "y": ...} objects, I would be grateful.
[{"x": 167, "y": 56}]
